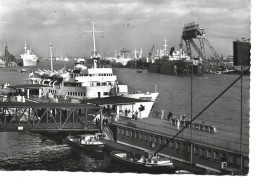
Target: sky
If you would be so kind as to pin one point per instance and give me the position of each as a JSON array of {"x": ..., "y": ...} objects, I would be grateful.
[{"x": 130, "y": 24}]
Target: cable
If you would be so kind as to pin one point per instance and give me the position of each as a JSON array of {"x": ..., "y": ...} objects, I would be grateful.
[{"x": 187, "y": 124}]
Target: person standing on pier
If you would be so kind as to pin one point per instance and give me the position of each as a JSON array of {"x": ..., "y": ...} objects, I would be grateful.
[
  {"x": 126, "y": 112},
  {"x": 178, "y": 124},
  {"x": 169, "y": 116},
  {"x": 136, "y": 114}
]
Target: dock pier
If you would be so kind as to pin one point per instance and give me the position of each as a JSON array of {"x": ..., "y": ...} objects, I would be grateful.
[{"x": 206, "y": 153}]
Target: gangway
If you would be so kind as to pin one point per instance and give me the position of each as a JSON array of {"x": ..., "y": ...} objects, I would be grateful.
[{"x": 46, "y": 117}]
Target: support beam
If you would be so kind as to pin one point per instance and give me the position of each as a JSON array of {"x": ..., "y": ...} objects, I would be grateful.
[
  {"x": 54, "y": 119},
  {"x": 40, "y": 119},
  {"x": 86, "y": 119},
  {"x": 66, "y": 119}
]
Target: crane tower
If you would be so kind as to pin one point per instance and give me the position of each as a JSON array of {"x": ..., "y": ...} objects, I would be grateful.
[{"x": 192, "y": 31}]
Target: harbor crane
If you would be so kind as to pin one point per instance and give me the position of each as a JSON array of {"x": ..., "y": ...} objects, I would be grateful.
[
  {"x": 150, "y": 54},
  {"x": 192, "y": 31}
]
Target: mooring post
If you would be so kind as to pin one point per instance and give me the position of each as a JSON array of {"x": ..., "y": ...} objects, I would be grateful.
[
  {"x": 60, "y": 117},
  {"x": 86, "y": 118},
  {"x": 101, "y": 120},
  {"x": 73, "y": 116},
  {"x": 5, "y": 118}
]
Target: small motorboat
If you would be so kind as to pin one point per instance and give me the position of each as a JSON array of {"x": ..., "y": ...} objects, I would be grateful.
[
  {"x": 87, "y": 141},
  {"x": 144, "y": 164},
  {"x": 139, "y": 71}
]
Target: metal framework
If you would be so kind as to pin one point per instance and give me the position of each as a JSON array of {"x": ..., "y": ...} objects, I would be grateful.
[
  {"x": 48, "y": 117},
  {"x": 192, "y": 31}
]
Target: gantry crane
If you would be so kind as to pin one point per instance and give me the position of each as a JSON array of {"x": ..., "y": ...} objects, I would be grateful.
[
  {"x": 192, "y": 31},
  {"x": 150, "y": 54}
]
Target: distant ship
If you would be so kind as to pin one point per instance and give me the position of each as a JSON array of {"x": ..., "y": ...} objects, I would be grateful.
[{"x": 29, "y": 58}]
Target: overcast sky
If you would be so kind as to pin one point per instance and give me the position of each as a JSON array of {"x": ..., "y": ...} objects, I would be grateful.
[{"x": 130, "y": 24}]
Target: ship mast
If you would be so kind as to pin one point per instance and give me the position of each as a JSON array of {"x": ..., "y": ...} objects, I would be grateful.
[
  {"x": 25, "y": 47},
  {"x": 95, "y": 56},
  {"x": 51, "y": 57},
  {"x": 135, "y": 53},
  {"x": 165, "y": 46}
]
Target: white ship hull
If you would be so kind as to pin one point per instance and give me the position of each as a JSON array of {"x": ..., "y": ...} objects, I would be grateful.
[
  {"x": 29, "y": 62},
  {"x": 144, "y": 96}
]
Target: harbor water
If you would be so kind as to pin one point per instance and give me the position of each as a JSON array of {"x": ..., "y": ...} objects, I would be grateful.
[{"x": 30, "y": 151}]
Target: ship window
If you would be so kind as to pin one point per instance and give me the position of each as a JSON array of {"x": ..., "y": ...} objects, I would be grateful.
[
  {"x": 215, "y": 155},
  {"x": 90, "y": 75},
  {"x": 231, "y": 159},
  {"x": 136, "y": 135},
  {"x": 132, "y": 134},
  {"x": 177, "y": 145},
  {"x": 155, "y": 140},
  {"x": 104, "y": 83},
  {"x": 140, "y": 136},
  {"x": 246, "y": 162},
  {"x": 68, "y": 93},
  {"x": 238, "y": 160},
  {"x": 195, "y": 150},
  {"x": 188, "y": 148},
  {"x": 105, "y": 93},
  {"x": 208, "y": 153},
  {"x": 171, "y": 144},
  {"x": 150, "y": 138},
  {"x": 160, "y": 141},
  {"x": 118, "y": 130},
  {"x": 126, "y": 132},
  {"x": 165, "y": 141},
  {"x": 145, "y": 137},
  {"x": 183, "y": 147},
  {"x": 123, "y": 131},
  {"x": 84, "y": 94},
  {"x": 202, "y": 152},
  {"x": 98, "y": 84}
]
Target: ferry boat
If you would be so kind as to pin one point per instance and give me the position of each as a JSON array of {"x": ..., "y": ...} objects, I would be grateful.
[
  {"x": 82, "y": 82},
  {"x": 29, "y": 58},
  {"x": 87, "y": 141},
  {"x": 149, "y": 164}
]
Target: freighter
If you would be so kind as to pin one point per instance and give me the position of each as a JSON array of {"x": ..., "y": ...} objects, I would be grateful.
[{"x": 29, "y": 58}]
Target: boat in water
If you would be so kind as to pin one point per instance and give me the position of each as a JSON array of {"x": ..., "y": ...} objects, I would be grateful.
[
  {"x": 81, "y": 82},
  {"x": 139, "y": 71},
  {"x": 147, "y": 164},
  {"x": 28, "y": 57},
  {"x": 88, "y": 142}
]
